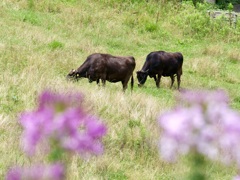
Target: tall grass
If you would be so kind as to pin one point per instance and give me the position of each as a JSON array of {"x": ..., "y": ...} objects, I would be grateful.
[{"x": 41, "y": 41}]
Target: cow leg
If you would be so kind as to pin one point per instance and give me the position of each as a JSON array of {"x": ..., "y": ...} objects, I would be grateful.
[
  {"x": 172, "y": 80},
  {"x": 124, "y": 84},
  {"x": 98, "y": 82},
  {"x": 158, "y": 79},
  {"x": 155, "y": 79},
  {"x": 103, "y": 78},
  {"x": 179, "y": 73},
  {"x": 103, "y": 82},
  {"x": 178, "y": 79}
]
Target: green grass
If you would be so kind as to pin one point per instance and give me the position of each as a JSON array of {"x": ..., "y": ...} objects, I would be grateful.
[{"x": 41, "y": 41}]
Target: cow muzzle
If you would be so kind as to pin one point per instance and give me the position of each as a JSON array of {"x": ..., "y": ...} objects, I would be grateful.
[
  {"x": 140, "y": 85},
  {"x": 68, "y": 78},
  {"x": 71, "y": 78}
]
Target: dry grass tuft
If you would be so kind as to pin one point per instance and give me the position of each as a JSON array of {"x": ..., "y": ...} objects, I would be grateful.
[
  {"x": 234, "y": 55},
  {"x": 206, "y": 66},
  {"x": 213, "y": 50}
]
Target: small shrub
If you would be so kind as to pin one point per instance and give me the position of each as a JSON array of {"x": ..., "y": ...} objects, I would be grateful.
[
  {"x": 196, "y": 22},
  {"x": 151, "y": 27},
  {"x": 31, "y": 4},
  {"x": 30, "y": 17},
  {"x": 55, "y": 45},
  {"x": 116, "y": 175}
]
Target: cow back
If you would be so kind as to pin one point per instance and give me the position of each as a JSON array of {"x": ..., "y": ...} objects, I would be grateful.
[
  {"x": 119, "y": 67},
  {"x": 166, "y": 62}
]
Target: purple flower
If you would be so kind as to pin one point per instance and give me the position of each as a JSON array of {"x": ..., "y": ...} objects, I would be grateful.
[
  {"x": 62, "y": 119},
  {"x": 37, "y": 125},
  {"x": 236, "y": 178},
  {"x": 37, "y": 172},
  {"x": 87, "y": 139},
  {"x": 203, "y": 97},
  {"x": 203, "y": 123},
  {"x": 94, "y": 128},
  {"x": 59, "y": 102}
]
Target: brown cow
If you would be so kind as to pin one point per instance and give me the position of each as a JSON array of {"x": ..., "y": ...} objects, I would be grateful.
[
  {"x": 106, "y": 67},
  {"x": 161, "y": 63}
]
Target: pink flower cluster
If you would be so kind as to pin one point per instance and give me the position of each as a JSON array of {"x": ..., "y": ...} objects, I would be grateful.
[
  {"x": 39, "y": 172},
  {"x": 202, "y": 122},
  {"x": 60, "y": 119}
]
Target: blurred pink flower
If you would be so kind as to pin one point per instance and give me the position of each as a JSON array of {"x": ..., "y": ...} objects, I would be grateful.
[
  {"x": 37, "y": 172},
  {"x": 236, "y": 178},
  {"x": 203, "y": 97},
  {"x": 202, "y": 122},
  {"x": 62, "y": 119}
]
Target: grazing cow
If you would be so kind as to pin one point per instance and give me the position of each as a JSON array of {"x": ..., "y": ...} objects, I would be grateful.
[
  {"x": 106, "y": 67},
  {"x": 161, "y": 63}
]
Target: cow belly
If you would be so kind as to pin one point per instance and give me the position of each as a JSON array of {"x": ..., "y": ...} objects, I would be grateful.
[
  {"x": 113, "y": 80},
  {"x": 167, "y": 74}
]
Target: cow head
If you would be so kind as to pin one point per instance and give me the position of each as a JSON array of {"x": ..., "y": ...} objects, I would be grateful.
[
  {"x": 142, "y": 77},
  {"x": 73, "y": 74}
]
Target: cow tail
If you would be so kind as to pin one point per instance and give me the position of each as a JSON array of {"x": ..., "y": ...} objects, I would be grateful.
[{"x": 132, "y": 82}]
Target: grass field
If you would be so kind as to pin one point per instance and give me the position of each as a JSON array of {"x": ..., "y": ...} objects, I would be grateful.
[{"x": 41, "y": 41}]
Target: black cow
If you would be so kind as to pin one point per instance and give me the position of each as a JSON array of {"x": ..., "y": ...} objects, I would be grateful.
[
  {"x": 106, "y": 67},
  {"x": 161, "y": 63}
]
